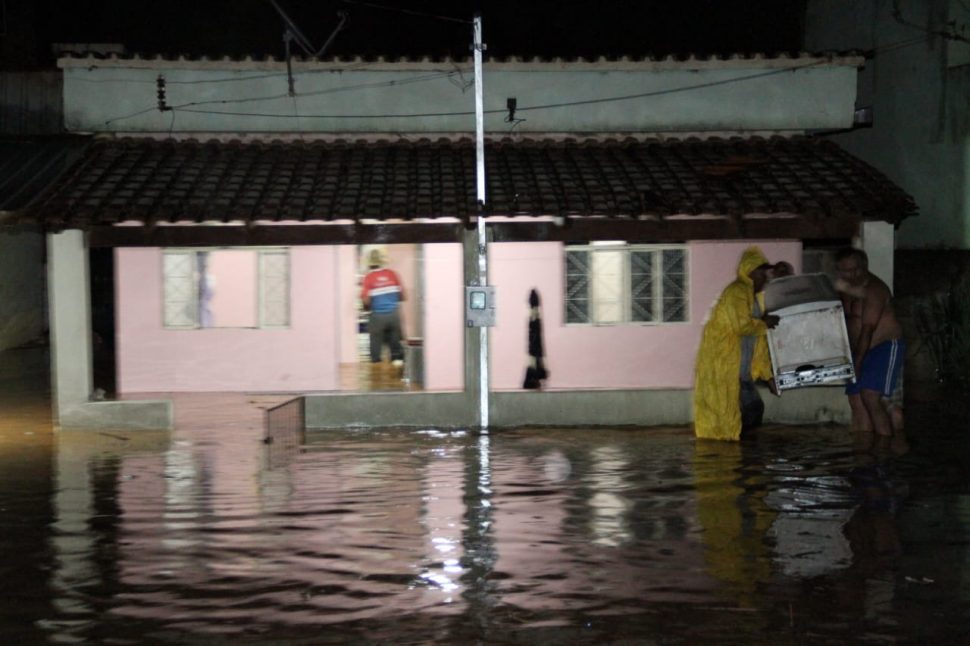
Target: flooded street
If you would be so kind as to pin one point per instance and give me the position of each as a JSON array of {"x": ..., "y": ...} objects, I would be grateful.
[{"x": 209, "y": 534}]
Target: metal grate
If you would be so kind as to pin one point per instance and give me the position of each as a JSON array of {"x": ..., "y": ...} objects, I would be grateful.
[
  {"x": 179, "y": 286},
  {"x": 274, "y": 285},
  {"x": 577, "y": 286},
  {"x": 285, "y": 431},
  {"x": 626, "y": 284}
]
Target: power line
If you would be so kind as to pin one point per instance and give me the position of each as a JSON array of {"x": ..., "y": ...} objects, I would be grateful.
[
  {"x": 335, "y": 116},
  {"x": 411, "y": 12},
  {"x": 897, "y": 14},
  {"x": 345, "y": 88},
  {"x": 547, "y": 106},
  {"x": 187, "y": 107},
  {"x": 229, "y": 79}
]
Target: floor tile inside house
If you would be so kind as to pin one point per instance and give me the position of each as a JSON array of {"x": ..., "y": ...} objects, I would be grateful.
[{"x": 211, "y": 533}]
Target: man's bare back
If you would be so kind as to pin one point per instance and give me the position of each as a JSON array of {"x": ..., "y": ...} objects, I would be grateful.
[{"x": 874, "y": 332}]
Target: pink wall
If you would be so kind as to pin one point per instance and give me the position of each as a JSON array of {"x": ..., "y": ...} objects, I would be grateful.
[
  {"x": 444, "y": 336},
  {"x": 625, "y": 356},
  {"x": 301, "y": 358},
  {"x": 306, "y": 356}
]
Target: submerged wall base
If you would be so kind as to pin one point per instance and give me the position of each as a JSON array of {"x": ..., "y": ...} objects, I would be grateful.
[
  {"x": 134, "y": 415},
  {"x": 813, "y": 405}
]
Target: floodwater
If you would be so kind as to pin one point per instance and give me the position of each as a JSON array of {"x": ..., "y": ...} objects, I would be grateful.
[{"x": 210, "y": 535}]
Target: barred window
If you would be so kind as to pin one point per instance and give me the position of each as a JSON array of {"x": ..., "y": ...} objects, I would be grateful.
[
  {"x": 226, "y": 288},
  {"x": 274, "y": 288},
  {"x": 617, "y": 283}
]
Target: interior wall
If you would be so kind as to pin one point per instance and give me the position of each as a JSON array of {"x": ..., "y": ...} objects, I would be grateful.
[
  {"x": 348, "y": 289},
  {"x": 300, "y": 358}
]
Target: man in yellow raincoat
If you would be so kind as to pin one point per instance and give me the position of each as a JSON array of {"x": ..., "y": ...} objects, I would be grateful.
[{"x": 734, "y": 323}]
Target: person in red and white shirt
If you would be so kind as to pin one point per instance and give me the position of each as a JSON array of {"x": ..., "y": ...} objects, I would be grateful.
[{"x": 382, "y": 294}]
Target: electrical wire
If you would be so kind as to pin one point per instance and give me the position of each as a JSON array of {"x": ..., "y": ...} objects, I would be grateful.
[
  {"x": 916, "y": 40},
  {"x": 129, "y": 116},
  {"x": 229, "y": 79},
  {"x": 346, "y": 88},
  {"x": 274, "y": 97},
  {"x": 335, "y": 116},
  {"x": 410, "y": 12},
  {"x": 189, "y": 107},
  {"x": 897, "y": 14},
  {"x": 547, "y": 106}
]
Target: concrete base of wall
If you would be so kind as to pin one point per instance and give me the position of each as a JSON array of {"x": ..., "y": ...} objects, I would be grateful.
[
  {"x": 810, "y": 405},
  {"x": 565, "y": 408},
  {"x": 592, "y": 408},
  {"x": 376, "y": 410},
  {"x": 672, "y": 407},
  {"x": 148, "y": 415}
]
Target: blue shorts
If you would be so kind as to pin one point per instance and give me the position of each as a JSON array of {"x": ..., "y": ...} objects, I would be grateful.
[{"x": 880, "y": 369}]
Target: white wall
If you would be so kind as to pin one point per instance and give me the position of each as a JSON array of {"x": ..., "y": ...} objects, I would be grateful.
[
  {"x": 921, "y": 132},
  {"x": 739, "y": 95}
]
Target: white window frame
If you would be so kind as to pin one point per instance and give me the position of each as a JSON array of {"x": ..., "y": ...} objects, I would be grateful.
[
  {"x": 625, "y": 284},
  {"x": 261, "y": 323}
]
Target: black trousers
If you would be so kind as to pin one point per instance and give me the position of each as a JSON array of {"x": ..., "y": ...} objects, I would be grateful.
[{"x": 752, "y": 408}]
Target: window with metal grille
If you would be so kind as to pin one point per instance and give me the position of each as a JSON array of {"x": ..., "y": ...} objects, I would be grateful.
[
  {"x": 227, "y": 287},
  {"x": 618, "y": 283}
]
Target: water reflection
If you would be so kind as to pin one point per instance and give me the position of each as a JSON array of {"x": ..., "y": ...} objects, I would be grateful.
[
  {"x": 538, "y": 535},
  {"x": 733, "y": 517},
  {"x": 608, "y": 504}
]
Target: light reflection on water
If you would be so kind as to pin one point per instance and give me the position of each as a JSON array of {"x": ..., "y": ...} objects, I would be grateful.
[{"x": 578, "y": 536}]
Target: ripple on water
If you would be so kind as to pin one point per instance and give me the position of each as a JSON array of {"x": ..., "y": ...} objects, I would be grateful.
[{"x": 583, "y": 536}]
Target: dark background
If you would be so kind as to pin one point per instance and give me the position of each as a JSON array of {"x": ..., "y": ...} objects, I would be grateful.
[{"x": 238, "y": 28}]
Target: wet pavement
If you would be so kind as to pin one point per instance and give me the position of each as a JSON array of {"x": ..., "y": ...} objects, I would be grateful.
[{"x": 209, "y": 534}]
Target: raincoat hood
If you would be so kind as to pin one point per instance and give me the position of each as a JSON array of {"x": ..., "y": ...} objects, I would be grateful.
[{"x": 751, "y": 259}]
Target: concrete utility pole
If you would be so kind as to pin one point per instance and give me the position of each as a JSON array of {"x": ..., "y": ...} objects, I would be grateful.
[{"x": 480, "y": 199}]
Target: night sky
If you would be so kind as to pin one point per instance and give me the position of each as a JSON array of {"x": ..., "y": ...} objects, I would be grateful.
[{"x": 523, "y": 28}]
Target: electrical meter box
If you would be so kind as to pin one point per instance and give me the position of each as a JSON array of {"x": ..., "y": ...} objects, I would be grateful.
[
  {"x": 480, "y": 306},
  {"x": 810, "y": 345}
]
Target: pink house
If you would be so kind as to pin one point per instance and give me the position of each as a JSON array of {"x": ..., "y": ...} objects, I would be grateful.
[{"x": 236, "y": 257}]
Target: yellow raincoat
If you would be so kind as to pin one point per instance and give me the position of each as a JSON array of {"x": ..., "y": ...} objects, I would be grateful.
[{"x": 717, "y": 382}]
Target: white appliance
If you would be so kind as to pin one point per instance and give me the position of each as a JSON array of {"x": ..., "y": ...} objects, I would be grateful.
[{"x": 810, "y": 345}]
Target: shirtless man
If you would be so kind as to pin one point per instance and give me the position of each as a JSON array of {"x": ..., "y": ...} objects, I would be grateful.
[{"x": 876, "y": 339}]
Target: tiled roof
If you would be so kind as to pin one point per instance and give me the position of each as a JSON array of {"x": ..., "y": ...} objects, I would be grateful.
[{"x": 166, "y": 180}]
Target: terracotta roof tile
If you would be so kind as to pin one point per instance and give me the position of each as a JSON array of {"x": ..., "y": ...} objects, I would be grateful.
[{"x": 150, "y": 180}]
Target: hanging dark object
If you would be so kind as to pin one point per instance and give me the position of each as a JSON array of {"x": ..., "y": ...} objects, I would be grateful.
[{"x": 536, "y": 372}]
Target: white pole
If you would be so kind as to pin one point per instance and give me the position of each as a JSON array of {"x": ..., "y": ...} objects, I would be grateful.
[{"x": 480, "y": 198}]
